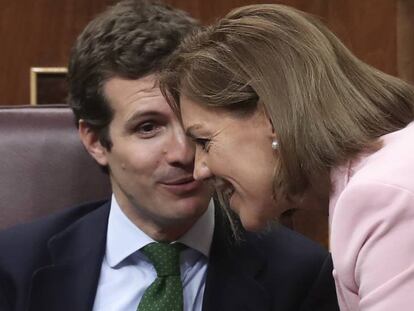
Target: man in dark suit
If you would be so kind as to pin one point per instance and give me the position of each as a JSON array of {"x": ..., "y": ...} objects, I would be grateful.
[{"x": 93, "y": 257}]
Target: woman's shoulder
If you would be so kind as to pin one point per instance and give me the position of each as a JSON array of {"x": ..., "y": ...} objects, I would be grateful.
[
  {"x": 372, "y": 216},
  {"x": 371, "y": 178},
  {"x": 392, "y": 165}
]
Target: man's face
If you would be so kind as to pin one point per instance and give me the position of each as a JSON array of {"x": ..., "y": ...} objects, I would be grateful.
[{"x": 151, "y": 161}]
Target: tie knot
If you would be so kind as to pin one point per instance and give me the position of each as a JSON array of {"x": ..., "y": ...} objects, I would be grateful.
[{"x": 165, "y": 257}]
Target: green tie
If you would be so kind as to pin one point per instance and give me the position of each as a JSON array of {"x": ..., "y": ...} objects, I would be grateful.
[{"x": 166, "y": 292}]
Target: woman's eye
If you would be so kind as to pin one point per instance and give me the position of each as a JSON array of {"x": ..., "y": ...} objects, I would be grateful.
[{"x": 203, "y": 143}]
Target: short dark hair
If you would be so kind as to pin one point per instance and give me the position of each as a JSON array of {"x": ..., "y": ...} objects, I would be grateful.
[{"x": 130, "y": 40}]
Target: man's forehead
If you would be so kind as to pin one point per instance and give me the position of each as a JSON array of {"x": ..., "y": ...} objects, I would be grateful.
[
  {"x": 137, "y": 95},
  {"x": 122, "y": 87}
]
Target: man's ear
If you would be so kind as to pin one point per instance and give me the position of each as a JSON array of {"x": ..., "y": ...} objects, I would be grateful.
[{"x": 92, "y": 144}]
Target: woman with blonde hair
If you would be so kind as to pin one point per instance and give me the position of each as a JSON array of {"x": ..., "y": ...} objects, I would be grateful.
[{"x": 277, "y": 106}]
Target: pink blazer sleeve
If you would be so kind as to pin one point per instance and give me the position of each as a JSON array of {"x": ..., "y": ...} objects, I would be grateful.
[{"x": 372, "y": 241}]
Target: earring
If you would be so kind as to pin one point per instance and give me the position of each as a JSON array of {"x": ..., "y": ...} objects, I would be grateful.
[{"x": 275, "y": 144}]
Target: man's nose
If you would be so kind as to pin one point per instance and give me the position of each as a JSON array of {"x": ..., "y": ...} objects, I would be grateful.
[{"x": 180, "y": 150}]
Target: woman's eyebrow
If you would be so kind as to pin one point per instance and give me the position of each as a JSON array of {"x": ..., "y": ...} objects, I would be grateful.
[{"x": 189, "y": 131}]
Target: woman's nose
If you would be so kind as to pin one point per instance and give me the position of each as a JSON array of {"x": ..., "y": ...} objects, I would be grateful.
[{"x": 201, "y": 169}]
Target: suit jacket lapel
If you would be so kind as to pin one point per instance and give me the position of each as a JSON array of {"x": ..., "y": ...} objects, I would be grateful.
[
  {"x": 70, "y": 282},
  {"x": 233, "y": 273}
]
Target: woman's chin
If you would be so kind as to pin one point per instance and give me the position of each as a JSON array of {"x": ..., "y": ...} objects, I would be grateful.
[
  {"x": 253, "y": 219},
  {"x": 254, "y": 224}
]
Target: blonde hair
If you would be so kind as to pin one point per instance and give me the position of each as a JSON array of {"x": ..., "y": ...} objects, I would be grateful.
[{"x": 326, "y": 106}]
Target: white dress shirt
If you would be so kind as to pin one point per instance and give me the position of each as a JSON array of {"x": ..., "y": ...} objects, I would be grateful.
[{"x": 126, "y": 273}]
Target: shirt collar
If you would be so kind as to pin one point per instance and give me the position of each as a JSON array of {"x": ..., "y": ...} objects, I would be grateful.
[
  {"x": 125, "y": 238},
  {"x": 200, "y": 235}
]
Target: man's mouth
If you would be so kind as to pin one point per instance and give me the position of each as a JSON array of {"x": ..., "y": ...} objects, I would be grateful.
[
  {"x": 179, "y": 180},
  {"x": 181, "y": 185}
]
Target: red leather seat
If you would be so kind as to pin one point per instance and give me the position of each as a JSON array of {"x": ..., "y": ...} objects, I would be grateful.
[{"x": 43, "y": 165}]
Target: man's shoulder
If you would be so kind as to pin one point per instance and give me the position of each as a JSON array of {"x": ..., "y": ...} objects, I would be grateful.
[
  {"x": 296, "y": 264},
  {"x": 277, "y": 244},
  {"x": 292, "y": 271},
  {"x": 26, "y": 249},
  {"x": 281, "y": 245},
  {"x": 33, "y": 236},
  {"x": 280, "y": 238}
]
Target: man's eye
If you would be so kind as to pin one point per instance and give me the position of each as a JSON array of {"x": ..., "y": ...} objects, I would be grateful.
[{"x": 147, "y": 128}]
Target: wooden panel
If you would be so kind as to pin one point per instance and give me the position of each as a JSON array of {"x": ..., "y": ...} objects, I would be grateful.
[
  {"x": 369, "y": 31},
  {"x": 405, "y": 39},
  {"x": 40, "y": 33},
  {"x": 208, "y": 11},
  {"x": 37, "y": 34}
]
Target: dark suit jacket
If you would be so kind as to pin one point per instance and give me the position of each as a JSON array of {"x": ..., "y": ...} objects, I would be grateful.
[{"x": 54, "y": 263}]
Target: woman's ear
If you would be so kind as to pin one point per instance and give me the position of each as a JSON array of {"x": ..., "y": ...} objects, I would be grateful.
[
  {"x": 90, "y": 140},
  {"x": 265, "y": 119},
  {"x": 271, "y": 128}
]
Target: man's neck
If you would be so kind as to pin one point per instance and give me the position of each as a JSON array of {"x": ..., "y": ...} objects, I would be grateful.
[
  {"x": 161, "y": 233},
  {"x": 155, "y": 227}
]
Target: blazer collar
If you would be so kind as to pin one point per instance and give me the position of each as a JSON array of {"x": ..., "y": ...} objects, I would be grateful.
[
  {"x": 70, "y": 282},
  {"x": 233, "y": 275}
]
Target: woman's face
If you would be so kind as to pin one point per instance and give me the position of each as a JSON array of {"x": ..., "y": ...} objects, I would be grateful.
[{"x": 237, "y": 150}]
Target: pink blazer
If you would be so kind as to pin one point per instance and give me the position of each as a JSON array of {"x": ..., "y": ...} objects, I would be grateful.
[{"x": 372, "y": 227}]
